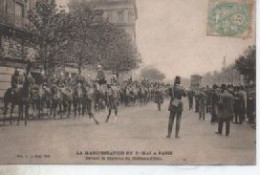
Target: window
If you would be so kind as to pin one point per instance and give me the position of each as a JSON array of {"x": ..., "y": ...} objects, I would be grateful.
[
  {"x": 121, "y": 16},
  {"x": 9, "y": 5},
  {"x": 18, "y": 10}
]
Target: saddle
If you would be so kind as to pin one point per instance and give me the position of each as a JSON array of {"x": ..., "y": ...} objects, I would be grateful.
[{"x": 15, "y": 90}]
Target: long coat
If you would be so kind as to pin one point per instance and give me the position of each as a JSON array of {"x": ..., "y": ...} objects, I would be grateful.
[{"x": 225, "y": 105}]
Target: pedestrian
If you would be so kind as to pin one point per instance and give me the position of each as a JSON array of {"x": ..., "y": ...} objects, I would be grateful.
[
  {"x": 158, "y": 97},
  {"x": 226, "y": 110},
  {"x": 241, "y": 102},
  {"x": 236, "y": 116},
  {"x": 214, "y": 98},
  {"x": 190, "y": 98},
  {"x": 176, "y": 106},
  {"x": 196, "y": 100},
  {"x": 202, "y": 98},
  {"x": 207, "y": 103},
  {"x": 251, "y": 104}
]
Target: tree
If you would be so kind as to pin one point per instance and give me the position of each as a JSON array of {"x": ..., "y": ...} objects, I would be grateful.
[
  {"x": 119, "y": 53},
  {"x": 152, "y": 74},
  {"x": 246, "y": 64},
  {"x": 96, "y": 41},
  {"x": 86, "y": 25},
  {"x": 47, "y": 24}
]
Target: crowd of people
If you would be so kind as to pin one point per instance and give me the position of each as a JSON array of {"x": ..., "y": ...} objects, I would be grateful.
[
  {"x": 63, "y": 92},
  {"x": 60, "y": 93},
  {"x": 225, "y": 104}
]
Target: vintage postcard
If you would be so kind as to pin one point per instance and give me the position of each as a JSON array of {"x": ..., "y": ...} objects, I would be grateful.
[{"x": 128, "y": 82}]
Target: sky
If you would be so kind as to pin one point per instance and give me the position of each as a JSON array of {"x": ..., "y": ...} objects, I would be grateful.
[{"x": 172, "y": 36}]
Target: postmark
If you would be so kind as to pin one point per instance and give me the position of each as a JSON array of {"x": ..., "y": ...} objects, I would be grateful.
[{"x": 230, "y": 18}]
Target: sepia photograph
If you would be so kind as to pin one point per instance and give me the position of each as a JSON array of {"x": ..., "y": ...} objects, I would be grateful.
[{"x": 128, "y": 82}]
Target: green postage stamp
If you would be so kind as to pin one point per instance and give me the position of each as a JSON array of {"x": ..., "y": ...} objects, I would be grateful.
[{"x": 231, "y": 18}]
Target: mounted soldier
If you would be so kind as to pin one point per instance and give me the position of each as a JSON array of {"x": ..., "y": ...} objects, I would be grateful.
[
  {"x": 80, "y": 79},
  {"x": 101, "y": 77},
  {"x": 16, "y": 80}
]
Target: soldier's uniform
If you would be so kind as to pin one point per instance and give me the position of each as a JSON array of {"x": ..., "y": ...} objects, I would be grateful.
[
  {"x": 81, "y": 79},
  {"x": 175, "y": 107},
  {"x": 101, "y": 78},
  {"x": 14, "y": 80}
]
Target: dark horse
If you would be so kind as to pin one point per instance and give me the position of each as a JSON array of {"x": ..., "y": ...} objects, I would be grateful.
[
  {"x": 78, "y": 95},
  {"x": 10, "y": 97},
  {"x": 20, "y": 97}
]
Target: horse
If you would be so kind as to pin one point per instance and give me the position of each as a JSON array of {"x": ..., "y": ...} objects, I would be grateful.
[
  {"x": 10, "y": 97},
  {"x": 57, "y": 100},
  {"x": 47, "y": 99},
  {"x": 67, "y": 100},
  {"x": 19, "y": 96},
  {"x": 78, "y": 96},
  {"x": 99, "y": 97},
  {"x": 36, "y": 94}
]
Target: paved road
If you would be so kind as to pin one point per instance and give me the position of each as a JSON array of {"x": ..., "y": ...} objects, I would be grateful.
[{"x": 137, "y": 129}]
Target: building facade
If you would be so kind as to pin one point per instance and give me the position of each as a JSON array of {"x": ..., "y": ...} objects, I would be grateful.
[
  {"x": 122, "y": 13},
  {"x": 14, "y": 37}
]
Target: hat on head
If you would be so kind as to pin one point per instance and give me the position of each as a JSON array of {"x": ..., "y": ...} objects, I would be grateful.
[
  {"x": 215, "y": 86},
  {"x": 223, "y": 87},
  {"x": 177, "y": 80}
]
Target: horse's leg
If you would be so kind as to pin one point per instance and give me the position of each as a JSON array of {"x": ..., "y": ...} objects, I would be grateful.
[
  {"x": 65, "y": 107},
  {"x": 54, "y": 109},
  {"x": 79, "y": 107},
  {"x": 51, "y": 107},
  {"x": 69, "y": 109},
  {"x": 5, "y": 111},
  {"x": 11, "y": 113},
  {"x": 60, "y": 108},
  {"x": 38, "y": 109},
  {"x": 109, "y": 113},
  {"x": 75, "y": 108},
  {"x": 26, "y": 114},
  {"x": 116, "y": 110},
  {"x": 20, "y": 112},
  {"x": 92, "y": 116}
]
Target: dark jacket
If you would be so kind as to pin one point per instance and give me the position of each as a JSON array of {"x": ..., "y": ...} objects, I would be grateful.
[{"x": 225, "y": 105}]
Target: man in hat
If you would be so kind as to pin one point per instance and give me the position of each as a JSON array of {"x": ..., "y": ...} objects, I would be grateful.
[
  {"x": 214, "y": 98},
  {"x": 226, "y": 110},
  {"x": 15, "y": 79},
  {"x": 251, "y": 104},
  {"x": 202, "y": 100},
  {"x": 101, "y": 78},
  {"x": 176, "y": 106}
]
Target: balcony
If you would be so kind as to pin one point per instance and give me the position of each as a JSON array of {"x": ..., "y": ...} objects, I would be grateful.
[{"x": 14, "y": 21}]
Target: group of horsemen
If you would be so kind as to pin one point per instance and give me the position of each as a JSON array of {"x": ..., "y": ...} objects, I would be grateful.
[{"x": 100, "y": 94}]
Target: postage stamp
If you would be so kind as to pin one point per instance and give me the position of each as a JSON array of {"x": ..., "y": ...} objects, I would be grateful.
[{"x": 230, "y": 18}]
